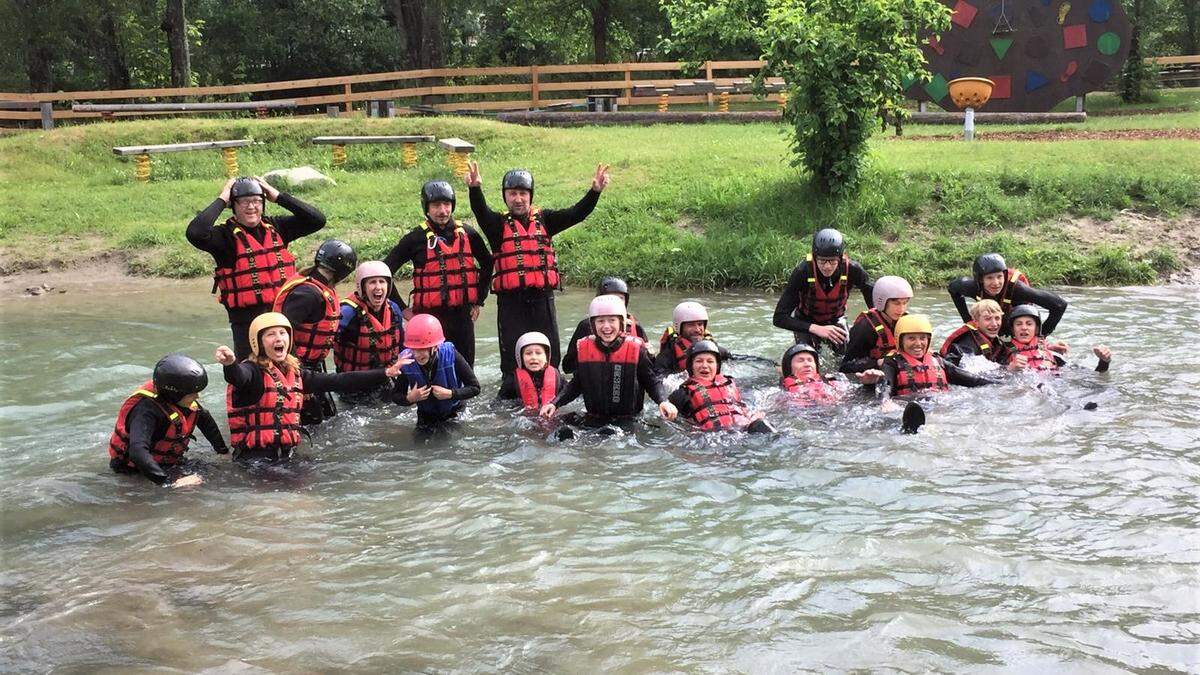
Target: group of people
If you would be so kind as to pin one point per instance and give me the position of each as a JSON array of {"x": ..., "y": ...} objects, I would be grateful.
[{"x": 285, "y": 323}]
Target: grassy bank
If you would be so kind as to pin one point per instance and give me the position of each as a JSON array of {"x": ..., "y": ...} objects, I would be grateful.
[{"x": 708, "y": 206}]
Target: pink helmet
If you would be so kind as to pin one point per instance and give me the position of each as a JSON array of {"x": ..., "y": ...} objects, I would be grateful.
[
  {"x": 688, "y": 311},
  {"x": 423, "y": 331},
  {"x": 887, "y": 288},
  {"x": 371, "y": 269},
  {"x": 607, "y": 305},
  {"x": 532, "y": 338}
]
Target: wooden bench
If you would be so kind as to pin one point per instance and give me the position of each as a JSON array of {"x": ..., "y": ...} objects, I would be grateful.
[
  {"x": 339, "y": 143},
  {"x": 107, "y": 110},
  {"x": 458, "y": 152},
  {"x": 142, "y": 154}
]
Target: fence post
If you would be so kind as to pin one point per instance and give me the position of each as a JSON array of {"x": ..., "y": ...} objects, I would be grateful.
[
  {"x": 47, "y": 115},
  {"x": 708, "y": 76},
  {"x": 346, "y": 102},
  {"x": 628, "y": 85},
  {"x": 535, "y": 94}
]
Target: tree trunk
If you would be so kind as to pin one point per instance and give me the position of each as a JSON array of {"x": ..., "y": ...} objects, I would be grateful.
[
  {"x": 1191, "y": 27},
  {"x": 109, "y": 50},
  {"x": 601, "y": 13},
  {"x": 38, "y": 55},
  {"x": 174, "y": 24},
  {"x": 1133, "y": 74},
  {"x": 420, "y": 24}
]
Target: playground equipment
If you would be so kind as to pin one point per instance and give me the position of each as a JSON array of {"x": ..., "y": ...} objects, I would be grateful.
[{"x": 969, "y": 93}]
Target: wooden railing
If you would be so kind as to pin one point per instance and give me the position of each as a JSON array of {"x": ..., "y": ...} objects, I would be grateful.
[{"x": 518, "y": 88}]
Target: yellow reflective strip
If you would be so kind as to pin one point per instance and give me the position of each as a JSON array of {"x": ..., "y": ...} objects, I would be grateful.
[{"x": 145, "y": 392}]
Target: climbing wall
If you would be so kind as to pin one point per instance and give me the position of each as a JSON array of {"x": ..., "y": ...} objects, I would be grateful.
[{"x": 1038, "y": 52}]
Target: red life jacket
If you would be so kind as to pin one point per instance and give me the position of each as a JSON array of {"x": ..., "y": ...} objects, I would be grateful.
[
  {"x": 532, "y": 397},
  {"x": 274, "y": 420},
  {"x": 717, "y": 405},
  {"x": 449, "y": 277},
  {"x": 818, "y": 305},
  {"x": 1004, "y": 297},
  {"x": 377, "y": 343},
  {"x": 627, "y": 353},
  {"x": 608, "y": 380},
  {"x": 526, "y": 256},
  {"x": 678, "y": 346},
  {"x": 915, "y": 375},
  {"x": 169, "y": 450},
  {"x": 982, "y": 342},
  {"x": 312, "y": 341},
  {"x": 1039, "y": 358},
  {"x": 810, "y": 391},
  {"x": 259, "y": 269},
  {"x": 885, "y": 340}
]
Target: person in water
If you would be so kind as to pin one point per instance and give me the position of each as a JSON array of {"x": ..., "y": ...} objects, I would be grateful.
[
  {"x": 803, "y": 381},
  {"x": 1028, "y": 349},
  {"x": 913, "y": 369},
  {"x": 993, "y": 279},
  {"x": 266, "y": 391},
  {"x": 250, "y": 248},
  {"x": 608, "y": 286},
  {"x": 614, "y": 372},
  {"x": 452, "y": 267},
  {"x": 978, "y": 337},
  {"x": 310, "y": 303},
  {"x": 813, "y": 304},
  {"x": 709, "y": 400},
  {"x": 435, "y": 378},
  {"x": 689, "y": 324},
  {"x": 536, "y": 382},
  {"x": 872, "y": 336},
  {"x": 155, "y": 424},
  {"x": 370, "y": 330}
]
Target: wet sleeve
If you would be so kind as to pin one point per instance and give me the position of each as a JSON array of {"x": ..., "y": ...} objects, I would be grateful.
[
  {"x": 1052, "y": 302},
  {"x": 789, "y": 301},
  {"x": 954, "y": 354},
  {"x": 146, "y": 425},
  {"x": 858, "y": 277},
  {"x": 403, "y": 253},
  {"x": 303, "y": 221},
  {"x": 509, "y": 390},
  {"x": 212, "y": 433},
  {"x": 888, "y": 382},
  {"x": 570, "y": 392},
  {"x": 204, "y": 235},
  {"x": 963, "y": 378},
  {"x": 241, "y": 375},
  {"x": 489, "y": 221},
  {"x": 304, "y": 305},
  {"x": 571, "y": 358},
  {"x": 680, "y": 399},
  {"x": 400, "y": 390},
  {"x": 858, "y": 349},
  {"x": 959, "y": 289},
  {"x": 466, "y": 377},
  {"x": 557, "y": 221},
  {"x": 361, "y": 380},
  {"x": 483, "y": 257},
  {"x": 650, "y": 379}
]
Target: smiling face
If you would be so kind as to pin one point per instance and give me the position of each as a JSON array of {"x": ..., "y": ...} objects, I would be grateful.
[
  {"x": 422, "y": 354},
  {"x": 533, "y": 358},
  {"x": 375, "y": 291},
  {"x": 803, "y": 365},
  {"x": 989, "y": 323},
  {"x": 1024, "y": 328},
  {"x": 915, "y": 344},
  {"x": 895, "y": 308},
  {"x": 827, "y": 266},
  {"x": 993, "y": 283},
  {"x": 518, "y": 201},
  {"x": 693, "y": 330},
  {"x": 440, "y": 212},
  {"x": 607, "y": 328},
  {"x": 248, "y": 211},
  {"x": 274, "y": 342},
  {"x": 705, "y": 366}
]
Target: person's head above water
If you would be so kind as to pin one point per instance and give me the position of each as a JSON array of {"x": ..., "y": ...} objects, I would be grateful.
[
  {"x": 989, "y": 270},
  {"x": 614, "y": 286},
  {"x": 438, "y": 201},
  {"x": 988, "y": 317},
  {"x": 704, "y": 360},
  {"x": 179, "y": 379},
  {"x": 533, "y": 351},
  {"x": 913, "y": 334},
  {"x": 800, "y": 360},
  {"x": 607, "y": 316},
  {"x": 517, "y": 188},
  {"x": 248, "y": 201},
  {"x": 422, "y": 336},
  {"x": 828, "y": 246},
  {"x": 271, "y": 340},
  {"x": 890, "y": 296},
  {"x": 690, "y": 320},
  {"x": 335, "y": 260},
  {"x": 1026, "y": 322},
  {"x": 373, "y": 282}
]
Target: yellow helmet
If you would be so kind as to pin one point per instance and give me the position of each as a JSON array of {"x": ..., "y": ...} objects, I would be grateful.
[
  {"x": 263, "y": 322},
  {"x": 912, "y": 323}
]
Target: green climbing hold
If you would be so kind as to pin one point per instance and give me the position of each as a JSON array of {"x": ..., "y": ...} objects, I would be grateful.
[
  {"x": 1109, "y": 43},
  {"x": 937, "y": 88},
  {"x": 907, "y": 82},
  {"x": 1000, "y": 46}
]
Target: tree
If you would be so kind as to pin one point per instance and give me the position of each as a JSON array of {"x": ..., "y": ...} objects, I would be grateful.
[
  {"x": 174, "y": 24},
  {"x": 1138, "y": 79},
  {"x": 844, "y": 62}
]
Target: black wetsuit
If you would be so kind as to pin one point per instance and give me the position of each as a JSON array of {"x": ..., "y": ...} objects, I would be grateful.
[
  {"x": 305, "y": 305},
  {"x": 456, "y": 321},
  {"x": 666, "y": 364},
  {"x": 204, "y": 234},
  {"x": 146, "y": 425},
  {"x": 583, "y": 330},
  {"x": 858, "y": 348},
  {"x": 965, "y": 287},
  {"x": 521, "y": 311},
  {"x": 787, "y": 310},
  {"x": 613, "y": 392},
  {"x": 247, "y": 380},
  {"x": 965, "y": 346},
  {"x": 468, "y": 387}
]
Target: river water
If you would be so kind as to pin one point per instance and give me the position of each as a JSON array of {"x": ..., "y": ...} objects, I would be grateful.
[{"x": 1018, "y": 531}]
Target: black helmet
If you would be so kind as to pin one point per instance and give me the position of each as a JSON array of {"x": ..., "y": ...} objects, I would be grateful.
[
  {"x": 703, "y": 347},
  {"x": 437, "y": 191},
  {"x": 176, "y": 376},
  {"x": 517, "y": 179},
  {"x": 1026, "y": 310},
  {"x": 988, "y": 263},
  {"x": 613, "y": 285},
  {"x": 799, "y": 348},
  {"x": 338, "y": 257},
  {"x": 828, "y": 243},
  {"x": 245, "y": 187}
]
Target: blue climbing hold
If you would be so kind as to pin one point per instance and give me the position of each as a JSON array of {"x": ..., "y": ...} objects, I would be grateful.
[
  {"x": 1100, "y": 11},
  {"x": 1035, "y": 80}
]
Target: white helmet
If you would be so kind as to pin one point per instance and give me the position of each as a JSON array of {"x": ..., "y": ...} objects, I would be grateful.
[
  {"x": 369, "y": 270},
  {"x": 887, "y": 288},
  {"x": 607, "y": 305},
  {"x": 688, "y": 311},
  {"x": 532, "y": 338}
]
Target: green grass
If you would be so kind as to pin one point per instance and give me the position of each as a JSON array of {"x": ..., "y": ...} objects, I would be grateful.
[{"x": 689, "y": 206}]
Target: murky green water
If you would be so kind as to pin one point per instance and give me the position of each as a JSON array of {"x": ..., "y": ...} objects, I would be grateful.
[{"x": 1017, "y": 532}]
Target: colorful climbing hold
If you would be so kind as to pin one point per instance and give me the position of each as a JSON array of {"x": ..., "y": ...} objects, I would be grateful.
[
  {"x": 1075, "y": 36},
  {"x": 964, "y": 13},
  {"x": 1100, "y": 11},
  {"x": 1000, "y": 46},
  {"x": 1063, "y": 9},
  {"x": 1001, "y": 86},
  {"x": 1068, "y": 71},
  {"x": 1108, "y": 43},
  {"x": 937, "y": 88},
  {"x": 1035, "y": 80}
]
